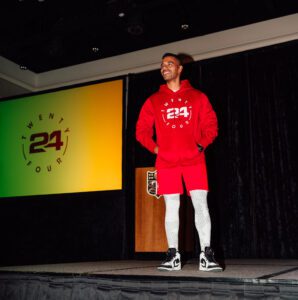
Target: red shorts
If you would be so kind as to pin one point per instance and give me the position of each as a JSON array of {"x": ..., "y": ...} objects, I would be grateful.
[{"x": 169, "y": 181}]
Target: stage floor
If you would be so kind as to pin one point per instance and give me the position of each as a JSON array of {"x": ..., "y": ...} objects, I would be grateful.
[
  {"x": 235, "y": 269},
  {"x": 139, "y": 279}
]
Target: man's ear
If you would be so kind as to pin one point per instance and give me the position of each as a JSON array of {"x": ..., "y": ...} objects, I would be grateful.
[{"x": 180, "y": 69}]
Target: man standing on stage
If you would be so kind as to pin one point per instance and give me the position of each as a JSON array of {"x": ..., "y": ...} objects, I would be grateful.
[{"x": 185, "y": 125}]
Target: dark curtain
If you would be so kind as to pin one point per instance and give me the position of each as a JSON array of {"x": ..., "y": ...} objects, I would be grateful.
[
  {"x": 273, "y": 78},
  {"x": 224, "y": 80},
  {"x": 252, "y": 165},
  {"x": 255, "y": 175}
]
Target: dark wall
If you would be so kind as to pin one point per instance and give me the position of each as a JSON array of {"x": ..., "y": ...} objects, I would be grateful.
[
  {"x": 62, "y": 228},
  {"x": 252, "y": 172}
]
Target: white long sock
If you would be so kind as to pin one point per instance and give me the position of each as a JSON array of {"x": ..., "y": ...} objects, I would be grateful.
[
  {"x": 172, "y": 202},
  {"x": 202, "y": 217}
]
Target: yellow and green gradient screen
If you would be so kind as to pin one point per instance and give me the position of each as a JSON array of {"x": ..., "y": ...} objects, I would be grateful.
[{"x": 66, "y": 141}]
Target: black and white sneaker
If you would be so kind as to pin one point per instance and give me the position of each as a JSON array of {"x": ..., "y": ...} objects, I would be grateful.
[
  {"x": 172, "y": 262},
  {"x": 207, "y": 261}
]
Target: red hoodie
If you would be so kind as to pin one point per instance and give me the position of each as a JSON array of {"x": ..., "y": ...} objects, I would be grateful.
[{"x": 182, "y": 119}]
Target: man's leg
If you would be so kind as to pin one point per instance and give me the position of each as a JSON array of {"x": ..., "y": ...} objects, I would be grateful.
[
  {"x": 203, "y": 226},
  {"x": 202, "y": 216},
  {"x": 172, "y": 204}
]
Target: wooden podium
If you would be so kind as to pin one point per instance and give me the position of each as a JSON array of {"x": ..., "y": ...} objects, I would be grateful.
[{"x": 149, "y": 219}]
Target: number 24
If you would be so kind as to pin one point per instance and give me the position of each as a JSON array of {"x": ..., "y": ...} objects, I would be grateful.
[
  {"x": 177, "y": 112},
  {"x": 39, "y": 145}
]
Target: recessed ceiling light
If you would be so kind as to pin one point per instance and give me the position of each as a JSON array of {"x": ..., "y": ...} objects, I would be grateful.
[
  {"x": 184, "y": 26},
  {"x": 95, "y": 49}
]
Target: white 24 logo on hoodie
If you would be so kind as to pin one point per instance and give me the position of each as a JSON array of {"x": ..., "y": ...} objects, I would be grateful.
[
  {"x": 175, "y": 112},
  {"x": 176, "y": 116}
]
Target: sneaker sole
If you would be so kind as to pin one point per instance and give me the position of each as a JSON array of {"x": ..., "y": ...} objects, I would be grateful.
[
  {"x": 214, "y": 269},
  {"x": 169, "y": 269}
]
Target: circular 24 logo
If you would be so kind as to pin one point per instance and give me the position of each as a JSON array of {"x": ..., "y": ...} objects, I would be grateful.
[{"x": 45, "y": 142}]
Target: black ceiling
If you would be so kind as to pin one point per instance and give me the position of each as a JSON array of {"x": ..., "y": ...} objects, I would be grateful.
[{"x": 44, "y": 35}]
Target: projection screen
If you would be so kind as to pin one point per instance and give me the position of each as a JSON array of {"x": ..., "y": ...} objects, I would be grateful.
[{"x": 65, "y": 141}]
